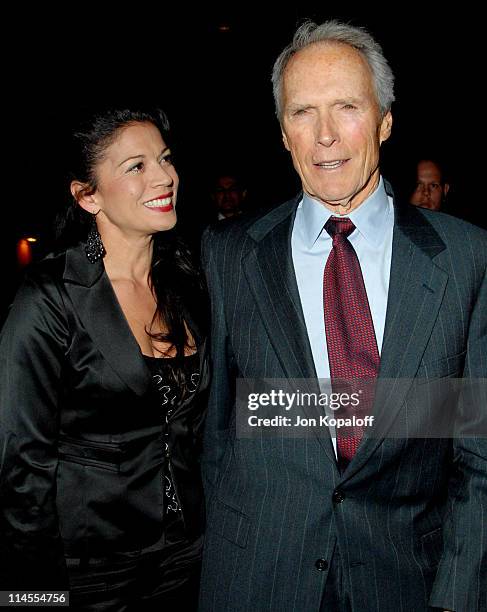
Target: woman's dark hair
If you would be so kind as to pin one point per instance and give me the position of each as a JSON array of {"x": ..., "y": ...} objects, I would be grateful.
[
  {"x": 177, "y": 282},
  {"x": 180, "y": 291},
  {"x": 90, "y": 137}
]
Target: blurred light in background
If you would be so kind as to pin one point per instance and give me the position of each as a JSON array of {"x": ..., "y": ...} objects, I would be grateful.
[{"x": 24, "y": 251}]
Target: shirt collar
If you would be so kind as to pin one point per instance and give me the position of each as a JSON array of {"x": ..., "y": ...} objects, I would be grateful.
[{"x": 371, "y": 218}]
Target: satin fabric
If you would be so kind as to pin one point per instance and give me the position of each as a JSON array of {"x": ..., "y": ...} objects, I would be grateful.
[
  {"x": 80, "y": 432},
  {"x": 168, "y": 578}
]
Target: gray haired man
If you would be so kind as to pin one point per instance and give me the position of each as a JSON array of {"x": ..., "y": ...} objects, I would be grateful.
[{"x": 344, "y": 282}]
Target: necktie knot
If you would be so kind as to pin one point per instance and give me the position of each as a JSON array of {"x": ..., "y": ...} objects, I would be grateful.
[{"x": 341, "y": 226}]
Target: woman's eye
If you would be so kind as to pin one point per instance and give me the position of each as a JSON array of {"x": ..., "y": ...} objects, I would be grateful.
[
  {"x": 136, "y": 168},
  {"x": 167, "y": 159}
]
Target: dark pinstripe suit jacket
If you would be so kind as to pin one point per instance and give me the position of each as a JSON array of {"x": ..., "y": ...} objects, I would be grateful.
[{"x": 412, "y": 526}]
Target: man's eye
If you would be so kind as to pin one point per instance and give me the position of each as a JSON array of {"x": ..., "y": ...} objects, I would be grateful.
[
  {"x": 349, "y": 107},
  {"x": 435, "y": 186},
  {"x": 136, "y": 168}
]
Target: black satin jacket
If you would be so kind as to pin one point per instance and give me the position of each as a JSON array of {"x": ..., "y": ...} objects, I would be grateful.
[{"x": 80, "y": 432}]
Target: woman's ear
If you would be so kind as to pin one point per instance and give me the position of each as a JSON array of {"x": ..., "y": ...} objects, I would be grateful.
[{"x": 84, "y": 196}]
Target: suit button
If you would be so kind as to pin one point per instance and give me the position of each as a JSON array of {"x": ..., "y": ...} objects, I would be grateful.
[
  {"x": 338, "y": 496},
  {"x": 321, "y": 565}
]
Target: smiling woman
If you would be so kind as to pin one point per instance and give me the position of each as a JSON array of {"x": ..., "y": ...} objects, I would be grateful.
[
  {"x": 104, "y": 374},
  {"x": 136, "y": 186}
]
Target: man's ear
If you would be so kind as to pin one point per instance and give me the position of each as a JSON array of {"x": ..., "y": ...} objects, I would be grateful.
[
  {"x": 385, "y": 127},
  {"x": 84, "y": 196},
  {"x": 284, "y": 140}
]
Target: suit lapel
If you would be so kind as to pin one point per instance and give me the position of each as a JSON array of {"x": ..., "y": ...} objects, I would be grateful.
[
  {"x": 416, "y": 291},
  {"x": 269, "y": 270},
  {"x": 97, "y": 307}
]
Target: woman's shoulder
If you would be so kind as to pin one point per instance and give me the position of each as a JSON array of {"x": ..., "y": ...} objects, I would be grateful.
[
  {"x": 59, "y": 266},
  {"x": 40, "y": 295},
  {"x": 39, "y": 306},
  {"x": 50, "y": 269}
]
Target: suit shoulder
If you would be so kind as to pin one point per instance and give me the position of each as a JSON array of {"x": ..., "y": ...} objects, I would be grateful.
[
  {"x": 234, "y": 226},
  {"x": 454, "y": 228},
  {"x": 236, "y": 230},
  {"x": 463, "y": 239}
]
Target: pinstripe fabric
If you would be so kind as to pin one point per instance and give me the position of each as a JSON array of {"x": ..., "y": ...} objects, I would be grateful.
[{"x": 412, "y": 526}]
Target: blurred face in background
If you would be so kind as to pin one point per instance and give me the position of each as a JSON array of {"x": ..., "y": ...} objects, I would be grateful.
[
  {"x": 228, "y": 196},
  {"x": 430, "y": 189}
]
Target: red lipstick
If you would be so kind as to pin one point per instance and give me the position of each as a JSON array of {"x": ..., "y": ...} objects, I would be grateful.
[{"x": 162, "y": 208}]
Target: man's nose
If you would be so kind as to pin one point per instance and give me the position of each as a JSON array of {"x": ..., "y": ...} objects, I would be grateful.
[{"x": 326, "y": 131}]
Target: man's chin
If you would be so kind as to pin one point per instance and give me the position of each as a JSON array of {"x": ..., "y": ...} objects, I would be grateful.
[{"x": 339, "y": 205}]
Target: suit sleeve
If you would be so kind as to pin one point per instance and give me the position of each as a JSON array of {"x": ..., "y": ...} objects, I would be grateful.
[
  {"x": 461, "y": 580},
  {"x": 32, "y": 346},
  {"x": 222, "y": 390}
]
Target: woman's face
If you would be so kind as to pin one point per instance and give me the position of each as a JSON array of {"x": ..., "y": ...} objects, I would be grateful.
[{"x": 136, "y": 182}]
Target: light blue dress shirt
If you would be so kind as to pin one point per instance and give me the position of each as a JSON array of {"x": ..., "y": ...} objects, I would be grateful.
[{"x": 311, "y": 245}]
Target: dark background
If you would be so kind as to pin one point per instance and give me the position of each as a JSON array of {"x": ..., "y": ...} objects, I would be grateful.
[{"x": 209, "y": 68}]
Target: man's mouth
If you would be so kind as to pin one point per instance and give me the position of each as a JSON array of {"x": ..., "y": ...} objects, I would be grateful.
[{"x": 331, "y": 165}]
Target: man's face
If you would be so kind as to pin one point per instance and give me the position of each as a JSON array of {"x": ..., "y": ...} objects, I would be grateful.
[
  {"x": 331, "y": 124},
  {"x": 430, "y": 189},
  {"x": 228, "y": 195}
]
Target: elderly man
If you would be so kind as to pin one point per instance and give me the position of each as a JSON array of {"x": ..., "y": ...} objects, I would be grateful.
[{"x": 341, "y": 283}]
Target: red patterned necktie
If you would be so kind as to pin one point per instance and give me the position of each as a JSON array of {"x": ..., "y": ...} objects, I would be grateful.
[{"x": 350, "y": 336}]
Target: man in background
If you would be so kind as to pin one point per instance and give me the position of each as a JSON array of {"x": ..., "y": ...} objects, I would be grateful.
[
  {"x": 431, "y": 186},
  {"x": 228, "y": 196}
]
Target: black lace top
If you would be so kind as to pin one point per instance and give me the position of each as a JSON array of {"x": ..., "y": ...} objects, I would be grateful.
[{"x": 172, "y": 385}]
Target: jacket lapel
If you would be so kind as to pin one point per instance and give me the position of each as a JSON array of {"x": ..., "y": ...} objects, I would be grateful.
[
  {"x": 98, "y": 309},
  {"x": 269, "y": 270},
  {"x": 416, "y": 291}
]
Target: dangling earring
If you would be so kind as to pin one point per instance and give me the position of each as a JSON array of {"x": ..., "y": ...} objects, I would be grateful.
[{"x": 94, "y": 248}]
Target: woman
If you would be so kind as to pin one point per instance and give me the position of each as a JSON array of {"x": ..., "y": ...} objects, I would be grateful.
[{"x": 103, "y": 388}]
